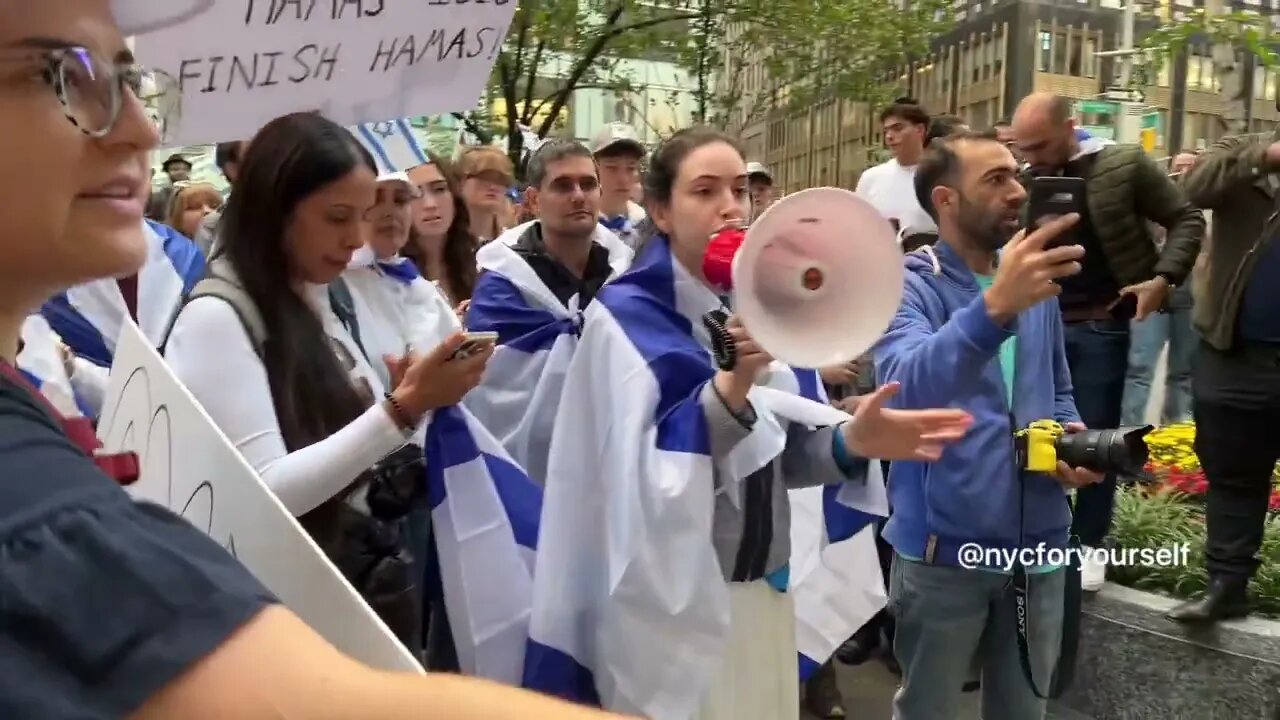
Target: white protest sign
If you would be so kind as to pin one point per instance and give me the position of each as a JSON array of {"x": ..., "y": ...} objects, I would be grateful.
[
  {"x": 243, "y": 63},
  {"x": 190, "y": 467}
]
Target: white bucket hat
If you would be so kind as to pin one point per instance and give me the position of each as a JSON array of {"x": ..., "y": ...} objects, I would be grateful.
[{"x": 136, "y": 17}]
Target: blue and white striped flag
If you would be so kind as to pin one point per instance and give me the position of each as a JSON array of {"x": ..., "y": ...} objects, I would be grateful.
[
  {"x": 41, "y": 363},
  {"x": 485, "y": 513},
  {"x": 631, "y": 609},
  {"x": 393, "y": 145},
  {"x": 537, "y": 335}
]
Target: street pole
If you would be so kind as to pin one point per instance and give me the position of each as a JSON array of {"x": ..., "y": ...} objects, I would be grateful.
[
  {"x": 1130, "y": 101},
  {"x": 1235, "y": 92}
]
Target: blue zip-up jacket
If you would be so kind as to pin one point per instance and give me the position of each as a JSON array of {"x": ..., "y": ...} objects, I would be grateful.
[{"x": 945, "y": 350}]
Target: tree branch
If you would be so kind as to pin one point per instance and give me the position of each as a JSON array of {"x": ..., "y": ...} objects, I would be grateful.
[
  {"x": 521, "y": 39},
  {"x": 593, "y": 51},
  {"x": 483, "y": 135},
  {"x": 528, "y": 115}
]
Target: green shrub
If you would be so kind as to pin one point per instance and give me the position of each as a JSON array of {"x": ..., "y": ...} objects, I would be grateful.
[{"x": 1146, "y": 518}]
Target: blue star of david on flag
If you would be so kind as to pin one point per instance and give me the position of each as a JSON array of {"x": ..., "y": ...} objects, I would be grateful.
[{"x": 392, "y": 143}]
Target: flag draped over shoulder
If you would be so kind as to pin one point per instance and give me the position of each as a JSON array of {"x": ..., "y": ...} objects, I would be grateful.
[
  {"x": 41, "y": 363},
  {"x": 485, "y": 513},
  {"x": 89, "y": 317},
  {"x": 537, "y": 336},
  {"x": 835, "y": 569},
  {"x": 631, "y": 610}
]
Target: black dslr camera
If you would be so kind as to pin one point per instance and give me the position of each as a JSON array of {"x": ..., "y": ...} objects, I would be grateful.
[{"x": 1118, "y": 450}]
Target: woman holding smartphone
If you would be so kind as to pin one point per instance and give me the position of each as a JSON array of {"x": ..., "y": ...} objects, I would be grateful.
[{"x": 302, "y": 402}]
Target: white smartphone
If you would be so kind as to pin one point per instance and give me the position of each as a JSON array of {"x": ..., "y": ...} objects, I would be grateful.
[{"x": 475, "y": 343}]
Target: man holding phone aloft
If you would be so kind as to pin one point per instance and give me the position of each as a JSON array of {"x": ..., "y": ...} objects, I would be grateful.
[
  {"x": 1123, "y": 277},
  {"x": 979, "y": 330}
]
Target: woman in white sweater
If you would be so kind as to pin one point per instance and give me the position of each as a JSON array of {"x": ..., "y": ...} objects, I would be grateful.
[
  {"x": 397, "y": 309},
  {"x": 301, "y": 402}
]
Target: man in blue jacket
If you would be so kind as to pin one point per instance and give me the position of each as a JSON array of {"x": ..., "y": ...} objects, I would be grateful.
[{"x": 979, "y": 329}]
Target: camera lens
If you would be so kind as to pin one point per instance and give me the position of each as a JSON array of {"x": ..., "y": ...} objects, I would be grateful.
[{"x": 1119, "y": 450}]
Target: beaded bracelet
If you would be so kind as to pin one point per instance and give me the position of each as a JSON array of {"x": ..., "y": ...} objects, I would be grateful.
[{"x": 398, "y": 413}]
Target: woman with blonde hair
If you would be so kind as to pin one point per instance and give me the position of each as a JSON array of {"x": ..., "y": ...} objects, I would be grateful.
[
  {"x": 191, "y": 203},
  {"x": 486, "y": 174}
]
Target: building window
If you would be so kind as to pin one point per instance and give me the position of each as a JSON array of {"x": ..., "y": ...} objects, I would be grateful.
[
  {"x": 1088, "y": 60},
  {"x": 1059, "y": 53},
  {"x": 1045, "y": 54}
]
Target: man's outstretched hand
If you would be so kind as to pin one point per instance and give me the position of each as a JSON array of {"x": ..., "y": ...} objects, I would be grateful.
[{"x": 887, "y": 434}]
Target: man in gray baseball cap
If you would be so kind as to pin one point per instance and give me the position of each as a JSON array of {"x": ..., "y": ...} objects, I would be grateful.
[
  {"x": 760, "y": 184},
  {"x": 618, "y": 153}
]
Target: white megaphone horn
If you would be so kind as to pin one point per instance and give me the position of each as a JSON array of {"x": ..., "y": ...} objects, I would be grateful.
[{"x": 818, "y": 278}]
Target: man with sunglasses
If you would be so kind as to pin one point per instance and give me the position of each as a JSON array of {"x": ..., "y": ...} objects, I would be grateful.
[{"x": 535, "y": 281}]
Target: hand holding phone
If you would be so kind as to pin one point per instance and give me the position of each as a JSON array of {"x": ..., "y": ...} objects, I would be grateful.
[
  {"x": 1029, "y": 269},
  {"x": 442, "y": 377},
  {"x": 1052, "y": 197},
  {"x": 475, "y": 343}
]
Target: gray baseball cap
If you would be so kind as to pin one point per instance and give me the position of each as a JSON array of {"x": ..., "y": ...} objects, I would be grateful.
[
  {"x": 617, "y": 135},
  {"x": 755, "y": 168}
]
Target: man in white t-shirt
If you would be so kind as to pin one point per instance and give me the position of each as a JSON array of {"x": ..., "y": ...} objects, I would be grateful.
[{"x": 890, "y": 186}]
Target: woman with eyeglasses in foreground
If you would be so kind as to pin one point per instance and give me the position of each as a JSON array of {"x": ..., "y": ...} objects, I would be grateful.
[{"x": 113, "y": 608}]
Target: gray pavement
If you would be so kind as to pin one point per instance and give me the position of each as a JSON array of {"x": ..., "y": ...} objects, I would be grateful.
[{"x": 868, "y": 693}]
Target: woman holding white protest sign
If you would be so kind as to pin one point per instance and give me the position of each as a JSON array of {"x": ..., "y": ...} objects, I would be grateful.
[{"x": 111, "y": 608}]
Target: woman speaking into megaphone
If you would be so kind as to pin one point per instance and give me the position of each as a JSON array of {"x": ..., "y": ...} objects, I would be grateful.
[{"x": 681, "y": 563}]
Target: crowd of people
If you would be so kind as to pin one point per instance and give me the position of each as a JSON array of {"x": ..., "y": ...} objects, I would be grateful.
[{"x": 330, "y": 315}]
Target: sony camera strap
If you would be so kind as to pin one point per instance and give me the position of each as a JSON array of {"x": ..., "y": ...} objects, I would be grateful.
[{"x": 1065, "y": 666}]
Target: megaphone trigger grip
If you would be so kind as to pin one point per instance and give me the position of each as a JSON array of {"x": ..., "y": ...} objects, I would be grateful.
[{"x": 723, "y": 349}]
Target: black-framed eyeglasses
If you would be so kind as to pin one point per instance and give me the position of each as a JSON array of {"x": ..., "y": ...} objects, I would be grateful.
[{"x": 91, "y": 90}]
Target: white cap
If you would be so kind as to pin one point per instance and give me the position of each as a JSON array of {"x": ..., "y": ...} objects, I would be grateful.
[
  {"x": 755, "y": 168},
  {"x": 397, "y": 176},
  {"x": 136, "y": 17},
  {"x": 615, "y": 134}
]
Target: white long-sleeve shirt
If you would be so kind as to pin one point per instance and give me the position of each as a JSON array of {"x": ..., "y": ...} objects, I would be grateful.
[
  {"x": 212, "y": 355},
  {"x": 397, "y": 316}
]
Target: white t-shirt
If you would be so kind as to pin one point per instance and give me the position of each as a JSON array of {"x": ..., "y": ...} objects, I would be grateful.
[
  {"x": 890, "y": 188},
  {"x": 212, "y": 355}
]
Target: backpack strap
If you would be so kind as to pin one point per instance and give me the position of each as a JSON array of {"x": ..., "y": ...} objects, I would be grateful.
[
  {"x": 124, "y": 468},
  {"x": 344, "y": 306},
  {"x": 218, "y": 286}
]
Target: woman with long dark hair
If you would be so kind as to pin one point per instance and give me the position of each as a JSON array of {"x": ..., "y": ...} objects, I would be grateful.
[
  {"x": 293, "y": 388},
  {"x": 441, "y": 244},
  {"x": 113, "y": 608}
]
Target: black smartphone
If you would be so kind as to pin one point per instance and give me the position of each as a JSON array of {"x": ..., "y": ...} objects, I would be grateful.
[
  {"x": 1126, "y": 308},
  {"x": 1052, "y": 197}
]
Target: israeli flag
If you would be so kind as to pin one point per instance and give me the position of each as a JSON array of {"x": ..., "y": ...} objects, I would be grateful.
[
  {"x": 835, "y": 566},
  {"x": 537, "y": 336},
  {"x": 485, "y": 513},
  {"x": 631, "y": 610},
  {"x": 40, "y": 362},
  {"x": 89, "y": 317},
  {"x": 393, "y": 145}
]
